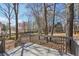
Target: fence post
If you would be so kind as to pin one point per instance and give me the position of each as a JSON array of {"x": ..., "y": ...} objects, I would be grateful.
[{"x": 2, "y": 46}]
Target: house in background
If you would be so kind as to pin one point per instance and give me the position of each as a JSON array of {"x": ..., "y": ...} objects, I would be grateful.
[{"x": 22, "y": 27}]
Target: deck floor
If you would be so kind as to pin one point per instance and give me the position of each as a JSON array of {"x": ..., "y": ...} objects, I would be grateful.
[{"x": 31, "y": 49}]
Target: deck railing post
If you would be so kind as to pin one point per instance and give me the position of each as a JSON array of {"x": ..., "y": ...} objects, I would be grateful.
[
  {"x": 46, "y": 39},
  {"x": 39, "y": 37},
  {"x": 2, "y": 46},
  {"x": 30, "y": 38}
]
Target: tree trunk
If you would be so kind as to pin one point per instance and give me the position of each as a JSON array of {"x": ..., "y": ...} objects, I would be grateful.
[
  {"x": 45, "y": 15},
  {"x": 16, "y": 18},
  {"x": 9, "y": 19},
  {"x": 70, "y": 17},
  {"x": 16, "y": 26},
  {"x": 9, "y": 30},
  {"x": 46, "y": 23},
  {"x": 52, "y": 27}
]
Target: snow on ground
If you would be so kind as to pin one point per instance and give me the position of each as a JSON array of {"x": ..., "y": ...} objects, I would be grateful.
[{"x": 30, "y": 49}]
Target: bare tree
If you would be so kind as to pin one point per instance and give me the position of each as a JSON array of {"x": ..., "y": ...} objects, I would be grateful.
[
  {"x": 42, "y": 14},
  {"x": 16, "y": 10},
  {"x": 7, "y": 12},
  {"x": 70, "y": 17},
  {"x": 36, "y": 10},
  {"x": 45, "y": 15},
  {"x": 52, "y": 29}
]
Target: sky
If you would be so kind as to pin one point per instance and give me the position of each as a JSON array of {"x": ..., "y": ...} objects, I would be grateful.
[{"x": 22, "y": 14}]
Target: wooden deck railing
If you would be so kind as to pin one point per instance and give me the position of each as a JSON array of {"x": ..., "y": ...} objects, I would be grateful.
[{"x": 57, "y": 42}]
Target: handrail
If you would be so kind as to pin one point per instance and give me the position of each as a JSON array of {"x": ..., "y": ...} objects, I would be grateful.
[{"x": 31, "y": 34}]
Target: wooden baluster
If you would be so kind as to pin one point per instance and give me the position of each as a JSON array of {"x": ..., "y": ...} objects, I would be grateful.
[{"x": 30, "y": 38}]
